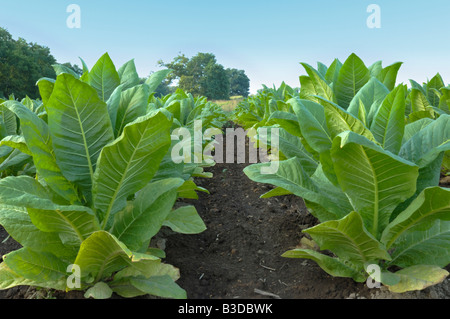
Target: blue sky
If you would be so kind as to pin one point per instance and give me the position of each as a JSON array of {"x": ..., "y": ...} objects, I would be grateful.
[{"x": 267, "y": 39}]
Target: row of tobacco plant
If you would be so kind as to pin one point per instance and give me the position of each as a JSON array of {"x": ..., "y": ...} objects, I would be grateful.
[
  {"x": 366, "y": 155},
  {"x": 88, "y": 181}
]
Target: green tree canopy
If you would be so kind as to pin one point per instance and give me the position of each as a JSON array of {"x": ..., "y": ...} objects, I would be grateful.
[
  {"x": 239, "y": 82},
  {"x": 215, "y": 83},
  {"x": 21, "y": 65},
  {"x": 178, "y": 65},
  {"x": 202, "y": 75}
]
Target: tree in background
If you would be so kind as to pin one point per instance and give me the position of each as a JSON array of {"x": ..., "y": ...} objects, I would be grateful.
[
  {"x": 197, "y": 67},
  {"x": 22, "y": 64},
  {"x": 202, "y": 75},
  {"x": 215, "y": 82},
  {"x": 239, "y": 82},
  {"x": 178, "y": 65},
  {"x": 193, "y": 77}
]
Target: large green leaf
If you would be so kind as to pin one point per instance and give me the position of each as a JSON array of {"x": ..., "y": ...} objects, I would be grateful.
[
  {"x": 147, "y": 267},
  {"x": 292, "y": 146},
  {"x": 333, "y": 71},
  {"x": 419, "y": 101},
  {"x": 412, "y": 128},
  {"x": 128, "y": 75},
  {"x": 10, "y": 279},
  {"x": 36, "y": 266},
  {"x": 428, "y": 177},
  {"x": 319, "y": 83},
  {"x": 102, "y": 254},
  {"x": 287, "y": 121},
  {"x": 185, "y": 220},
  {"x": 389, "y": 122},
  {"x": 189, "y": 190},
  {"x": 16, "y": 221},
  {"x": 103, "y": 77},
  {"x": 427, "y": 247},
  {"x": 15, "y": 160},
  {"x": 322, "y": 69},
  {"x": 133, "y": 104},
  {"x": 388, "y": 75},
  {"x": 444, "y": 101},
  {"x": 418, "y": 277},
  {"x": 371, "y": 96},
  {"x": 138, "y": 223},
  {"x": 128, "y": 164},
  {"x": 25, "y": 191},
  {"x": 169, "y": 169},
  {"x": 353, "y": 75},
  {"x": 162, "y": 286},
  {"x": 307, "y": 89},
  {"x": 156, "y": 278},
  {"x": 339, "y": 120},
  {"x": 100, "y": 290},
  {"x": 155, "y": 79},
  {"x": 433, "y": 203},
  {"x": 80, "y": 127},
  {"x": 16, "y": 141},
  {"x": 61, "y": 69},
  {"x": 376, "y": 68},
  {"x": 349, "y": 240},
  {"x": 84, "y": 65},
  {"x": 376, "y": 181},
  {"x": 432, "y": 89},
  {"x": 73, "y": 226},
  {"x": 73, "y": 223},
  {"x": 46, "y": 86},
  {"x": 8, "y": 123},
  {"x": 312, "y": 122},
  {"x": 428, "y": 143},
  {"x": 331, "y": 265},
  {"x": 39, "y": 142},
  {"x": 291, "y": 177},
  {"x": 113, "y": 104}
]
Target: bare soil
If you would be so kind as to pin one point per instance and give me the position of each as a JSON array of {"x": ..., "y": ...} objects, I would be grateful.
[{"x": 239, "y": 255}]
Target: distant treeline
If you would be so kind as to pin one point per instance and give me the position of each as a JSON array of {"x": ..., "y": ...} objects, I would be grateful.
[{"x": 23, "y": 63}]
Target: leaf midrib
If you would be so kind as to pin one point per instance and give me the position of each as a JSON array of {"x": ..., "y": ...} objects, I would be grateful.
[
  {"x": 413, "y": 223},
  {"x": 418, "y": 243},
  {"x": 351, "y": 240},
  {"x": 113, "y": 198},
  {"x": 86, "y": 147},
  {"x": 376, "y": 195}
]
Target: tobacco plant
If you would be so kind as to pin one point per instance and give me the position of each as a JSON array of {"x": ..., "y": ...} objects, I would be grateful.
[
  {"x": 14, "y": 159},
  {"x": 370, "y": 177},
  {"x": 96, "y": 200},
  {"x": 255, "y": 111}
]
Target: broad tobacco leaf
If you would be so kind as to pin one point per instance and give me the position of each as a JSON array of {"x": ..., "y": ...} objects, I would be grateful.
[
  {"x": 129, "y": 163},
  {"x": 376, "y": 181},
  {"x": 80, "y": 127}
]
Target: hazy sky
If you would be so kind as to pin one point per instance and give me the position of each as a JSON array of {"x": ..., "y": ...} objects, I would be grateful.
[{"x": 267, "y": 39}]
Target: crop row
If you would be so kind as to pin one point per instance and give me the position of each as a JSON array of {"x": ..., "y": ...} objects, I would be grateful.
[
  {"x": 88, "y": 180},
  {"x": 366, "y": 156}
]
